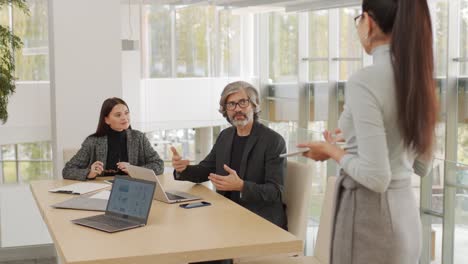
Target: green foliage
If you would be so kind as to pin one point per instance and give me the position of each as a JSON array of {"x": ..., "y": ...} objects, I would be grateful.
[
  {"x": 8, "y": 44},
  {"x": 20, "y": 4},
  {"x": 284, "y": 47}
]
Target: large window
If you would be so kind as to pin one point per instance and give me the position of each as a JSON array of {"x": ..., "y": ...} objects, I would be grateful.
[
  {"x": 229, "y": 43},
  {"x": 318, "y": 46},
  {"x": 460, "y": 202},
  {"x": 25, "y": 162},
  {"x": 192, "y": 41},
  {"x": 462, "y": 148},
  {"x": 464, "y": 37},
  {"x": 440, "y": 20},
  {"x": 194, "y": 29},
  {"x": 158, "y": 62},
  {"x": 283, "y": 60},
  {"x": 350, "y": 47},
  {"x": 439, "y": 14},
  {"x": 182, "y": 139},
  {"x": 32, "y": 62}
]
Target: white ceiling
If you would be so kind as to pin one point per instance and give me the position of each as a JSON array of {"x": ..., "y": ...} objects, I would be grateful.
[{"x": 256, "y": 5}]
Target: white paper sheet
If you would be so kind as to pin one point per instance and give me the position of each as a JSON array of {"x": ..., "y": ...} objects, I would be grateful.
[
  {"x": 101, "y": 195},
  {"x": 80, "y": 188}
]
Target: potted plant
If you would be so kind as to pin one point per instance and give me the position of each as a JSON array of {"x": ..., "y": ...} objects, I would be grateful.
[{"x": 9, "y": 42}]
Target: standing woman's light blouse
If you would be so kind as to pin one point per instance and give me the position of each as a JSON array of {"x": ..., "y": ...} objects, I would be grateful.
[{"x": 375, "y": 150}]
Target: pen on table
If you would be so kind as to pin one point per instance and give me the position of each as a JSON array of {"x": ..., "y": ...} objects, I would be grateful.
[{"x": 65, "y": 191}]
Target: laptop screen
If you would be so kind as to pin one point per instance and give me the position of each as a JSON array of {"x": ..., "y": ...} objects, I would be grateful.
[{"x": 131, "y": 197}]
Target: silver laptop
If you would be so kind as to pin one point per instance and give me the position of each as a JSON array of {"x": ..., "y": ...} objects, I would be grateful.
[
  {"x": 160, "y": 194},
  {"x": 83, "y": 202},
  {"x": 128, "y": 207}
]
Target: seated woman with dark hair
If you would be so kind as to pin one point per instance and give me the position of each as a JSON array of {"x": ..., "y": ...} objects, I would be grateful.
[{"x": 113, "y": 147}]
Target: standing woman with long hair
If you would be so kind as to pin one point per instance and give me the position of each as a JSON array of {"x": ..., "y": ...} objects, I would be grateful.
[{"x": 388, "y": 128}]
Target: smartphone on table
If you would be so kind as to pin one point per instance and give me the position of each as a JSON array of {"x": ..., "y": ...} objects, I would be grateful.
[{"x": 194, "y": 205}]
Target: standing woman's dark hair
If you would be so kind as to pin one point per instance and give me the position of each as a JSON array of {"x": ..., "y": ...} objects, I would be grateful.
[
  {"x": 409, "y": 23},
  {"x": 106, "y": 108}
]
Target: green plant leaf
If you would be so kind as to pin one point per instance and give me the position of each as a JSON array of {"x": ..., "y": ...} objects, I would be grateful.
[{"x": 9, "y": 43}]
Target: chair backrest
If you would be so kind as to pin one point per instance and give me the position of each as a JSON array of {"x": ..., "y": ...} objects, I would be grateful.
[
  {"x": 68, "y": 153},
  {"x": 297, "y": 197},
  {"x": 322, "y": 247}
]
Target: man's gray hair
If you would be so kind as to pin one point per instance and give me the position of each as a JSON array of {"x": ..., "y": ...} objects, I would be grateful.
[{"x": 235, "y": 87}]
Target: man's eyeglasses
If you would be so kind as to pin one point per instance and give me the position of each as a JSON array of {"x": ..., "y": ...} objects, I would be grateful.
[{"x": 242, "y": 103}]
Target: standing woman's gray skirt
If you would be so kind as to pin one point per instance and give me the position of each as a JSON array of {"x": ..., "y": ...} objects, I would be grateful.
[{"x": 377, "y": 228}]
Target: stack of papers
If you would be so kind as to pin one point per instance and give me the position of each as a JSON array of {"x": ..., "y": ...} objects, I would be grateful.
[{"x": 80, "y": 188}]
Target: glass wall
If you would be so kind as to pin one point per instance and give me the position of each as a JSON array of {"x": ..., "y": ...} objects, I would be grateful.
[
  {"x": 194, "y": 29},
  {"x": 282, "y": 63},
  {"x": 463, "y": 36},
  {"x": 462, "y": 150},
  {"x": 456, "y": 180},
  {"x": 229, "y": 35},
  {"x": 157, "y": 42},
  {"x": 182, "y": 139},
  {"x": 348, "y": 58},
  {"x": 318, "y": 46},
  {"x": 461, "y": 214},
  {"x": 32, "y": 62},
  {"x": 350, "y": 49},
  {"x": 20, "y": 163},
  {"x": 190, "y": 41},
  {"x": 283, "y": 47},
  {"x": 318, "y": 63}
]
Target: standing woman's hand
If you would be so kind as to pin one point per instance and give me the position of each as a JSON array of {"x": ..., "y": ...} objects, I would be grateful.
[
  {"x": 334, "y": 137},
  {"x": 320, "y": 151},
  {"x": 96, "y": 169}
]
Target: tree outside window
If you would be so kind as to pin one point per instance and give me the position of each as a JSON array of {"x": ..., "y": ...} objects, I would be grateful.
[
  {"x": 194, "y": 29},
  {"x": 283, "y": 47},
  {"x": 32, "y": 62}
]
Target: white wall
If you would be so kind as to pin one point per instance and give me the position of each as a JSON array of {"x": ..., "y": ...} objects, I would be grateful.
[
  {"x": 29, "y": 114},
  {"x": 131, "y": 60},
  {"x": 85, "y": 61}
]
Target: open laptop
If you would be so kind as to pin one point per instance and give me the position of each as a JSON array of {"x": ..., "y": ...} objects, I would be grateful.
[
  {"x": 160, "y": 194},
  {"x": 128, "y": 207}
]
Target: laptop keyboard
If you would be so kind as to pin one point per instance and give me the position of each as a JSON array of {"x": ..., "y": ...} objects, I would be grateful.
[
  {"x": 110, "y": 221},
  {"x": 174, "y": 196}
]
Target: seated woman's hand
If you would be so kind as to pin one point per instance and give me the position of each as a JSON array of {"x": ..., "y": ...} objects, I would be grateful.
[
  {"x": 96, "y": 169},
  {"x": 123, "y": 166}
]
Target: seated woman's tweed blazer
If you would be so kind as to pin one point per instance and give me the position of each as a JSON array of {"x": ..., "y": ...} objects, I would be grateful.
[{"x": 140, "y": 153}]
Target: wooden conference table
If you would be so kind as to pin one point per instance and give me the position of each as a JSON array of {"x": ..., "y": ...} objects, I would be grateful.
[{"x": 223, "y": 230}]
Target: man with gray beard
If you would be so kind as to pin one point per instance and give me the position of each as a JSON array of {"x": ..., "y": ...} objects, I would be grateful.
[{"x": 244, "y": 164}]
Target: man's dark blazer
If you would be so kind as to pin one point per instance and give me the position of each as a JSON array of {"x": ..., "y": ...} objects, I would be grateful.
[{"x": 261, "y": 169}]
